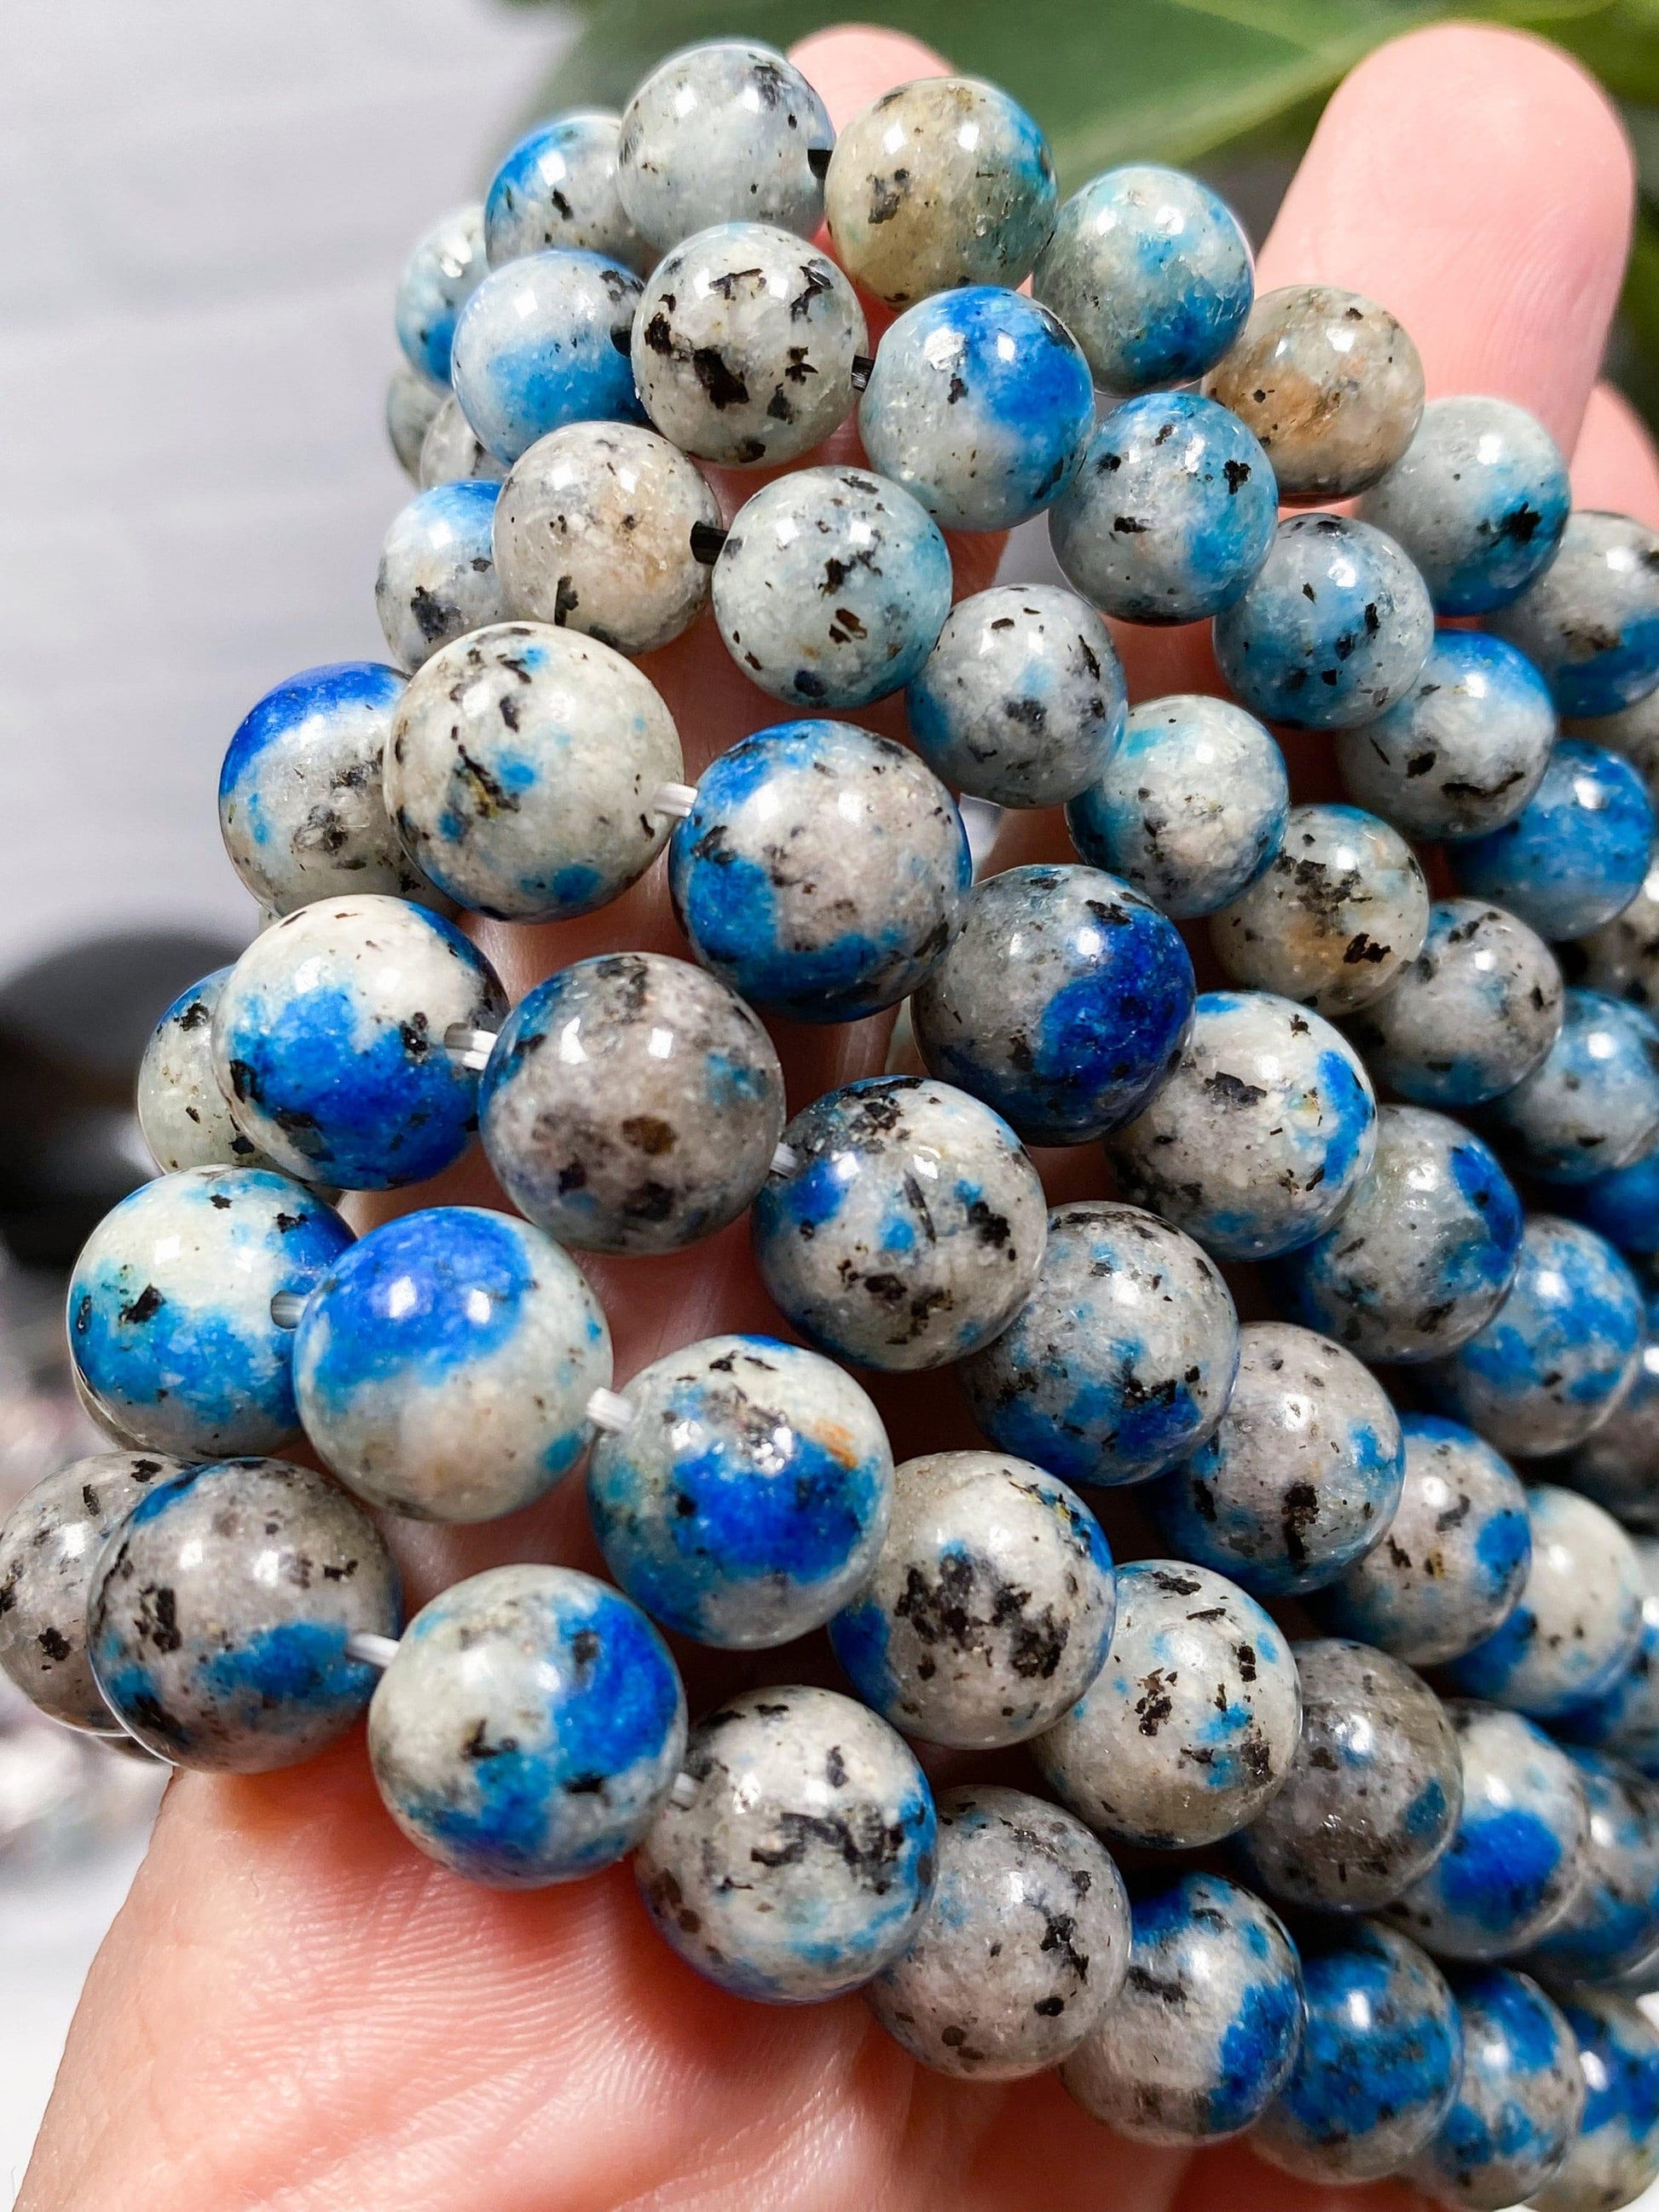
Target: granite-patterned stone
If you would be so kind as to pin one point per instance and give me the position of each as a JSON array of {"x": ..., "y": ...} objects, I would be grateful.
[
  {"x": 1577, "y": 853},
  {"x": 557, "y": 187},
  {"x": 1614, "y": 2156},
  {"x": 1520, "y": 2097},
  {"x": 442, "y": 272},
  {"x": 437, "y": 577},
  {"x": 1592, "y": 1102},
  {"x": 184, "y": 1115},
  {"x": 543, "y": 342},
  {"x": 1591, "y": 621}
]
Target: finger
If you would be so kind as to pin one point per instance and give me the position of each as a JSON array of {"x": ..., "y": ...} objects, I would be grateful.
[{"x": 1614, "y": 463}]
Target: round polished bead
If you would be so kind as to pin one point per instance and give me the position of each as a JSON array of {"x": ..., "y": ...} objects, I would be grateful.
[
  {"x": 980, "y": 404},
  {"x": 631, "y": 1103},
  {"x": 184, "y": 1115},
  {"x": 1625, "y": 1717},
  {"x": 1516, "y": 1859},
  {"x": 1021, "y": 701},
  {"x": 1633, "y": 732},
  {"x": 1191, "y": 1725},
  {"x": 747, "y": 1498},
  {"x": 1378, "y": 2066},
  {"x": 218, "y": 1615},
  {"x": 1301, "y": 1477},
  {"x": 437, "y": 575},
  {"x": 1257, "y": 1139},
  {"x": 802, "y": 1861},
  {"x": 328, "y": 1040},
  {"x": 1614, "y": 2156},
  {"x": 1455, "y": 1559},
  {"x": 1152, "y": 273},
  {"x": 452, "y": 452},
  {"x": 942, "y": 182},
  {"x": 1021, "y": 1948},
  {"x": 744, "y": 345},
  {"x": 521, "y": 770},
  {"x": 1171, "y": 513},
  {"x": 49, "y": 1552},
  {"x": 1465, "y": 748},
  {"x": 1622, "y": 956},
  {"x": 1612, "y": 1922},
  {"x": 169, "y": 1307},
  {"x": 990, "y": 1608},
  {"x": 543, "y": 342},
  {"x": 1333, "y": 630},
  {"x": 1577, "y": 853},
  {"x": 529, "y": 1727},
  {"x": 831, "y": 587},
  {"x": 1592, "y": 1103},
  {"x": 1520, "y": 2096},
  {"x": 1618, "y": 1465},
  {"x": 908, "y": 1230},
  {"x": 411, "y": 401},
  {"x": 1476, "y": 1011},
  {"x": 1064, "y": 1001},
  {"x": 1331, "y": 384},
  {"x": 1191, "y": 807},
  {"x": 557, "y": 187},
  {"x": 440, "y": 276},
  {"x": 821, "y": 871},
  {"x": 1479, "y": 499},
  {"x": 726, "y": 131},
  {"x": 1591, "y": 621},
  {"x": 1122, "y": 1360},
  {"x": 443, "y": 1365}
]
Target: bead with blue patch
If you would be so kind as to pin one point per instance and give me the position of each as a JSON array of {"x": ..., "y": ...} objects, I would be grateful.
[
  {"x": 1612, "y": 1922},
  {"x": 1622, "y": 956},
  {"x": 441, "y": 274},
  {"x": 437, "y": 575},
  {"x": 747, "y": 1498},
  {"x": 1614, "y": 2156},
  {"x": 557, "y": 187},
  {"x": 1520, "y": 2096},
  {"x": 1592, "y": 1104},
  {"x": 184, "y": 1115},
  {"x": 1618, "y": 1465},
  {"x": 1625, "y": 1717},
  {"x": 1591, "y": 621},
  {"x": 1577, "y": 851},
  {"x": 411, "y": 401},
  {"x": 543, "y": 342}
]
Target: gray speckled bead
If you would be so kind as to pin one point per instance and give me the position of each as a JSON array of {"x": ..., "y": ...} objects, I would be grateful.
[
  {"x": 1465, "y": 748},
  {"x": 832, "y": 587},
  {"x": 1612, "y": 1922},
  {"x": 911, "y": 1229},
  {"x": 593, "y": 532},
  {"x": 990, "y": 1609},
  {"x": 442, "y": 272},
  {"x": 1331, "y": 384},
  {"x": 451, "y": 451},
  {"x": 1122, "y": 1360},
  {"x": 1619, "y": 1465},
  {"x": 1192, "y": 806},
  {"x": 1301, "y": 1478},
  {"x": 1023, "y": 1947},
  {"x": 1190, "y": 1726},
  {"x": 942, "y": 182},
  {"x": 1622, "y": 956},
  {"x": 1476, "y": 1011},
  {"x": 218, "y": 1615},
  {"x": 1577, "y": 853},
  {"x": 726, "y": 131},
  {"x": 522, "y": 764},
  {"x": 1614, "y": 2156},
  {"x": 1591, "y": 621},
  {"x": 411, "y": 401},
  {"x": 1632, "y": 731},
  {"x": 1022, "y": 700},
  {"x": 557, "y": 187},
  {"x": 1258, "y": 1138},
  {"x": 744, "y": 345},
  {"x": 184, "y": 1115},
  {"x": 1207, "y": 2024},
  {"x": 1625, "y": 1717},
  {"x": 49, "y": 1550},
  {"x": 1519, "y": 2100},
  {"x": 802, "y": 1862},
  {"x": 1334, "y": 915},
  {"x": 607, "y": 1139},
  {"x": 1424, "y": 1251},
  {"x": 1372, "y": 1795},
  {"x": 1592, "y": 1103},
  {"x": 543, "y": 342},
  {"x": 1454, "y": 1560},
  {"x": 437, "y": 575}
]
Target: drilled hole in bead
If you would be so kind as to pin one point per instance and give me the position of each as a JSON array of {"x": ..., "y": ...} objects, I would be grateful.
[{"x": 470, "y": 1048}]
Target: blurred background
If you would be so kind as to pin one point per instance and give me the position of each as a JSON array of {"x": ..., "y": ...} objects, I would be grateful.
[{"x": 207, "y": 210}]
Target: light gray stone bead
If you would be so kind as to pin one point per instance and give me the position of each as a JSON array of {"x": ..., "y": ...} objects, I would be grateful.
[
  {"x": 1619, "y": 1465},
  {"x": 1633, "y": 732},
  {"x": 1614, "y": 2156},
  {"x": 184, "y": 1115},
  {"x": 1591, "y": 1105},
  {"x": 543, "y": 342},
  {"x": 1519, "y": 2100},
  {"x": 451, "y": 451},
  {"x": 1590, "y": 623},
  {"x": 1622, "y": 956},
  {"x": 1021, "y": 1948},
  {"x": 411, "y": 401},
  {"x": 437, "y": 577},
  {"x": 441, "y": 274},
  {"x": 557, "y": 187}
]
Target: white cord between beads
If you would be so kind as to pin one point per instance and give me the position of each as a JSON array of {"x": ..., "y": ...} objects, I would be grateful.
[
  {"x": 286, "y": 1307},
  {"x": 371, "y": 1650},
  {"x": 607, "y": 1410},
  {"x": 468, "y": 1046},
  {"x": 683, "y": 1792},
  {"x": 673, "y": 799},
  {"x": 785, "y": 1161}
]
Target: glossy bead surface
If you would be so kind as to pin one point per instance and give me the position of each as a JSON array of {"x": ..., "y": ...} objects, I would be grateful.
[
  {"x": 437, "y": 575},
  {"x": 1520, "y": 2095},
  {"x": 1170, "y": 514},
  {"x": 1465, "y": 748},
  {"x": 1591, "y": 621},
  {"x": 452, "y": 452},
  {"x": 747, "y": 1496},
  {"x": 1302, "y": 1475},
  {"x": 557, "y": 187},
  {"x": 1622, "y": 956},
  {"x": 218, "y": 1615},
  {"x": 1624, "y": 1718},
  {"x": 1191, "y": 1725},
  {"x": 443, "y": 1365},
  {"x": 411, "y": 401},
  {"x": 521, "y": 769},
  {"x": 1260, "y": 1135},
  {"x": 744, "y": 345},
  {"x": 821, "y": 871},
  {"x": 169, "y": 1307},
  {"x": 989, "y": 1610},
  {"x": 1191, "y": 807},
  {"x": 979, "y": 404},
  {"x": 1023, "y": 1947},
  {"x": 441, "y": 274},
  {"x": 1150, "y": 273},
  {"x": 1333, "y": 629},
  {"x": 328, "y": 1040},
  {"x": 1576, "y": 855},
  {"x": 543, "y": 342},
  {"x": 529, "y": 1727},
  {"x": 1122, "y": 1360},
  {"x": 1633, "y": 732},
  {"x": 1455, "y": 1559},
  {"x": 831, "y": 587},
  {"x": 1424, "y": 1251},
  {"x": 609, "y": 1141},
  {"x": 1612, "y": 1922},
  {"x": 911, "y": 1229},
  {"x": 802, "y": 1863},
  {"x": 1618, "y": 1465},
  {"x": 184, "y": 1115},
  {"x": 1331, "y": 384},
  {"x": 942, "y": 182},
  {"x": 1614, "y": 2156},
  {"x": 1592, "y": 1103},
  {"x": 1021, "y": 701}
]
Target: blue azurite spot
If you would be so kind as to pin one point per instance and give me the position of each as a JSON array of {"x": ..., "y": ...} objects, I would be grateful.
[
  {"x": 1615, "y": 2154},
  {"x": 1577, "y": 853},
  {"x": 1519, "y": 2095},
  {"x": 436, "y": 579},
  {"x": 1612, "y": 1922},
  {"x": 543, "y": 342},
  {"x": 438, "y": 277}
]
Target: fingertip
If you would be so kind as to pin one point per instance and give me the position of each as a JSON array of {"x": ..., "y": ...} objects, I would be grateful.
[
  {"x": 1614, "y": 463},
  {"x": 851, "y": 64}
]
